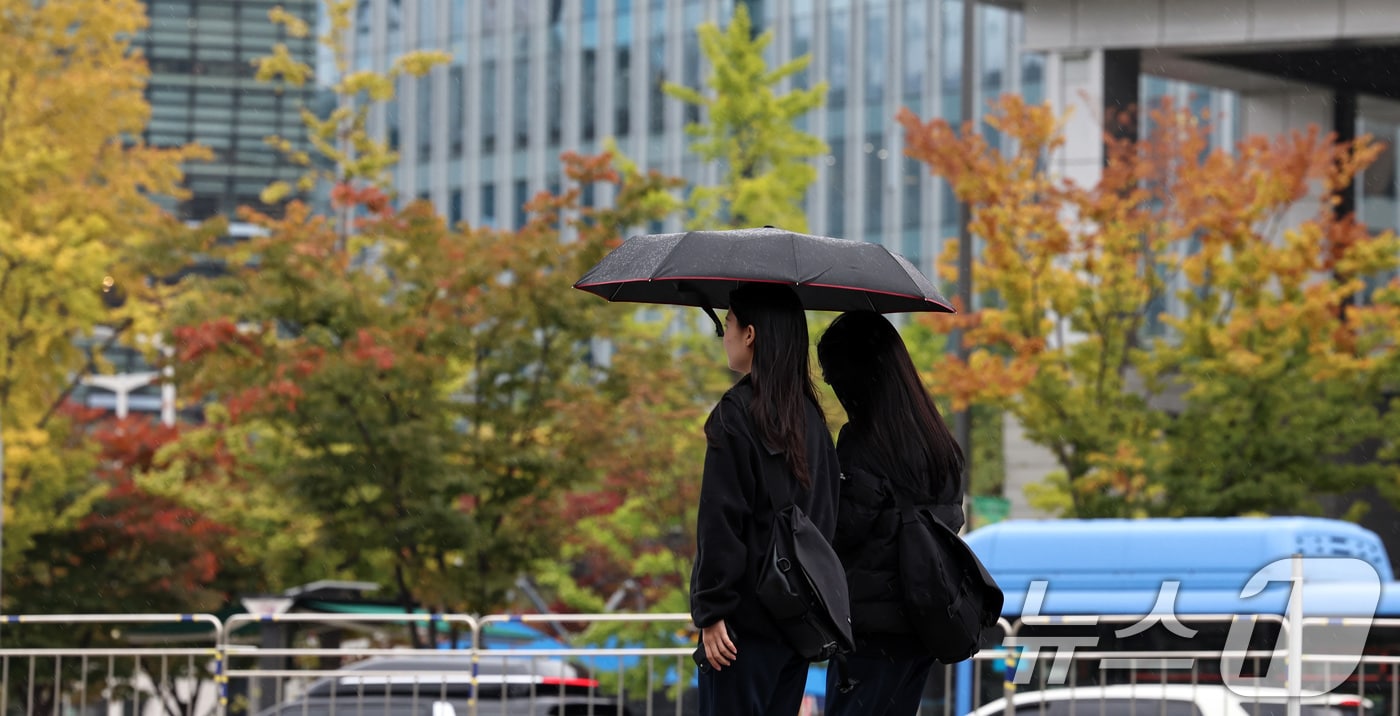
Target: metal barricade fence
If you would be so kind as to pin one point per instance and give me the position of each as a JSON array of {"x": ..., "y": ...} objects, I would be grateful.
[
  {"x": 1377, "y": 676},
  {"x": 56, "y": 678},
  {"x": 638, "y": 664},
  {"x": 276, "y": 678},
  {"x": 624, "y": 670}
]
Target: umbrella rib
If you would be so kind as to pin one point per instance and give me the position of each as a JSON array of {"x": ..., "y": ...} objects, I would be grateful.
[{"x": 797, "y": 277}]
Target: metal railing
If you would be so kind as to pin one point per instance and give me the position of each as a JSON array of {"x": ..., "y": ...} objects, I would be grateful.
[
  {"x": 62, "y": 678},
  {"x": 638, "y": 664}
]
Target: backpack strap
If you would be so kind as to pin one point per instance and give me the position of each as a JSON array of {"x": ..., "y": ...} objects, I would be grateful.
[{"x": 779, "y": 495}]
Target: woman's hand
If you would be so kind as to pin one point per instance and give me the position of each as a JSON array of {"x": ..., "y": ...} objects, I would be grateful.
[{"x": 720, "y": 650}]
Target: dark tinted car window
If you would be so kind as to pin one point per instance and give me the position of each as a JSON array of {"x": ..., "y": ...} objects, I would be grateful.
[{"x": 1110, "y": 707}]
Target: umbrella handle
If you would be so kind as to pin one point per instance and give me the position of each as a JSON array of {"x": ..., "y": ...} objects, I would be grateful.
[
  {"x": 719, "y": 325},
  {"x": 687, "y": 287}
]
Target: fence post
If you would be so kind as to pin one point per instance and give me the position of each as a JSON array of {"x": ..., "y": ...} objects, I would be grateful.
[
  {"x": 1008, "y": 685},
  {"x": 272, "y": 634},
  {"x": 963, "y": 677},
  {"x": 1295, "y": 638}
]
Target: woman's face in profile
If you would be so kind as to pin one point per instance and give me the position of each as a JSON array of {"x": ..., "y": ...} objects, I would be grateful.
[{"x": 738, "y": 344}]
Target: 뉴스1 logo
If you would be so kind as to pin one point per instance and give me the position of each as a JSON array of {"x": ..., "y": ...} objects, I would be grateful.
[{"x": 1342, "y": 639}]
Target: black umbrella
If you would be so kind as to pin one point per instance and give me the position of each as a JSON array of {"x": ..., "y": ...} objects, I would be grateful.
[{"x": 700, "y": 268}]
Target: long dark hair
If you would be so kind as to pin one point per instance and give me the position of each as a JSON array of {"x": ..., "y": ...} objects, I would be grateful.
[
  {"x": 895, "y": 425},
  {"x": 781, "y": 372}
]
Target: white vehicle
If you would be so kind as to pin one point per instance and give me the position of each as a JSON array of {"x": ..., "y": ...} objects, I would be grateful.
[{"x": 1169, "y": 700}]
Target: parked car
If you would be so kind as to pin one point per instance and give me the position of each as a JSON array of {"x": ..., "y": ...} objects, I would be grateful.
[
  {"x": 1170, "y": 700},
  {"x": 439, "y": 685}
]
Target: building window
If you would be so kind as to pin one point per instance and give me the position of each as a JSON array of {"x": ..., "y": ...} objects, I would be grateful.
[
  {"x": 588, "y": 104},
  {"x": 457, "y": 21},
  {"x": 993, "y": 41},
  {"x": 877, "y": 46},
  {"x": 622, "y": 72},
  {"x": 875, "y": 155},
  {"x": 394, "y": 31},
  {"x": 690, "y": 51},
  {"x": 490, "y": 106},
  {"x": 836, "y": 187},
  {"x": 838, "y": 57},
  {"x": 913, "y": 186},
  {"x": 916, "y": 45},
  {"x": 490, "y": 16},
  {"x": 425, "y": 117},
  {"x": 454, "y": 207},
  {"x": 1378, "y": 187},
  {"x": 521, "y": 90},
  {"x": 391, "y": 112},
  {"x": 522, "y": 197},
  {"x": 554, "y": 80},
  {"x": 456, "y": 109},
  {"x": 950, "y": 105},
  {"x": 622, "y": 101},
  {"x": 1033, "y": 77},
  {"x": 488, "y": 204},
  {"x": 427, "y": 24},
  {"x": 802, "y": 44},
  {"x": 657, "y": 67}
]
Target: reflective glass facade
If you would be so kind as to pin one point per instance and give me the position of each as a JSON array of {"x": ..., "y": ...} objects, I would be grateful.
[
  {"x": 202, "y": 90},
  {"x": 532, "y": 78}
]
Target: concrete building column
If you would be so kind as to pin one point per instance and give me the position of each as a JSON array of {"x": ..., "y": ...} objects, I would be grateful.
[{"x": 1075, "y": 88}]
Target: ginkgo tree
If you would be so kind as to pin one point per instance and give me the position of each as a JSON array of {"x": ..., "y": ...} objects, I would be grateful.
[
  {"x": 751, "y": 131},
  {"x": 78, "y": 192},
  {"x": 1184, "y": 335}
]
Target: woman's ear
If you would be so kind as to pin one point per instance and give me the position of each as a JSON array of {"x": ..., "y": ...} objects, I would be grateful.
[{"x": 748, "y": 336}]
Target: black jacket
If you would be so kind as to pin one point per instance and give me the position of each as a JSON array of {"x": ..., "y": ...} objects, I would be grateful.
[
  {"x": 867, "y": 540},
  {"x": 735, "y": 520}
]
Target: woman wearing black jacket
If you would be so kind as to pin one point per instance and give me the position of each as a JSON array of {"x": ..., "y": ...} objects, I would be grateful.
[
  {"x": 894, "y": 441},
  {"x": 767, "y": 428}
]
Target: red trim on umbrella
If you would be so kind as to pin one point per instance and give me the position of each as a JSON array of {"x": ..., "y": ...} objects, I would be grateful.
[{"x": 683, "y": 278}]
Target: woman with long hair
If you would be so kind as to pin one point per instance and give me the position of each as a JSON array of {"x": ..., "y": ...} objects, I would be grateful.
[
  {"x": 894, "y": 442},
  {"x": 766, "y": 434}
]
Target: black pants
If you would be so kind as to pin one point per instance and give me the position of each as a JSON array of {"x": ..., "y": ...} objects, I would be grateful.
[
  {"x": 887, "y": 686},
  {"x": 768, "y": 677}
]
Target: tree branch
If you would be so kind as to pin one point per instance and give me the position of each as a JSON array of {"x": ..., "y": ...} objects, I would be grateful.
[{"x": 88, "y": 367}]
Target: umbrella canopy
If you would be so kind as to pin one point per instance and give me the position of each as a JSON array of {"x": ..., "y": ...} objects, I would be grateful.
[{"x": 700, "y": 268}]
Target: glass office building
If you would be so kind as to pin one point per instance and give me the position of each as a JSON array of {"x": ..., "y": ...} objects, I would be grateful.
[
  {"x": 530, "y": 79},
  {"x": 202, "y": 90}
]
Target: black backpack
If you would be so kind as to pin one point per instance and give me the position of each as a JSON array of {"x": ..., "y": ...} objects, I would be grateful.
[
  {"x": 949, "y": 598},
  {"x": 802, "y": 584}
]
